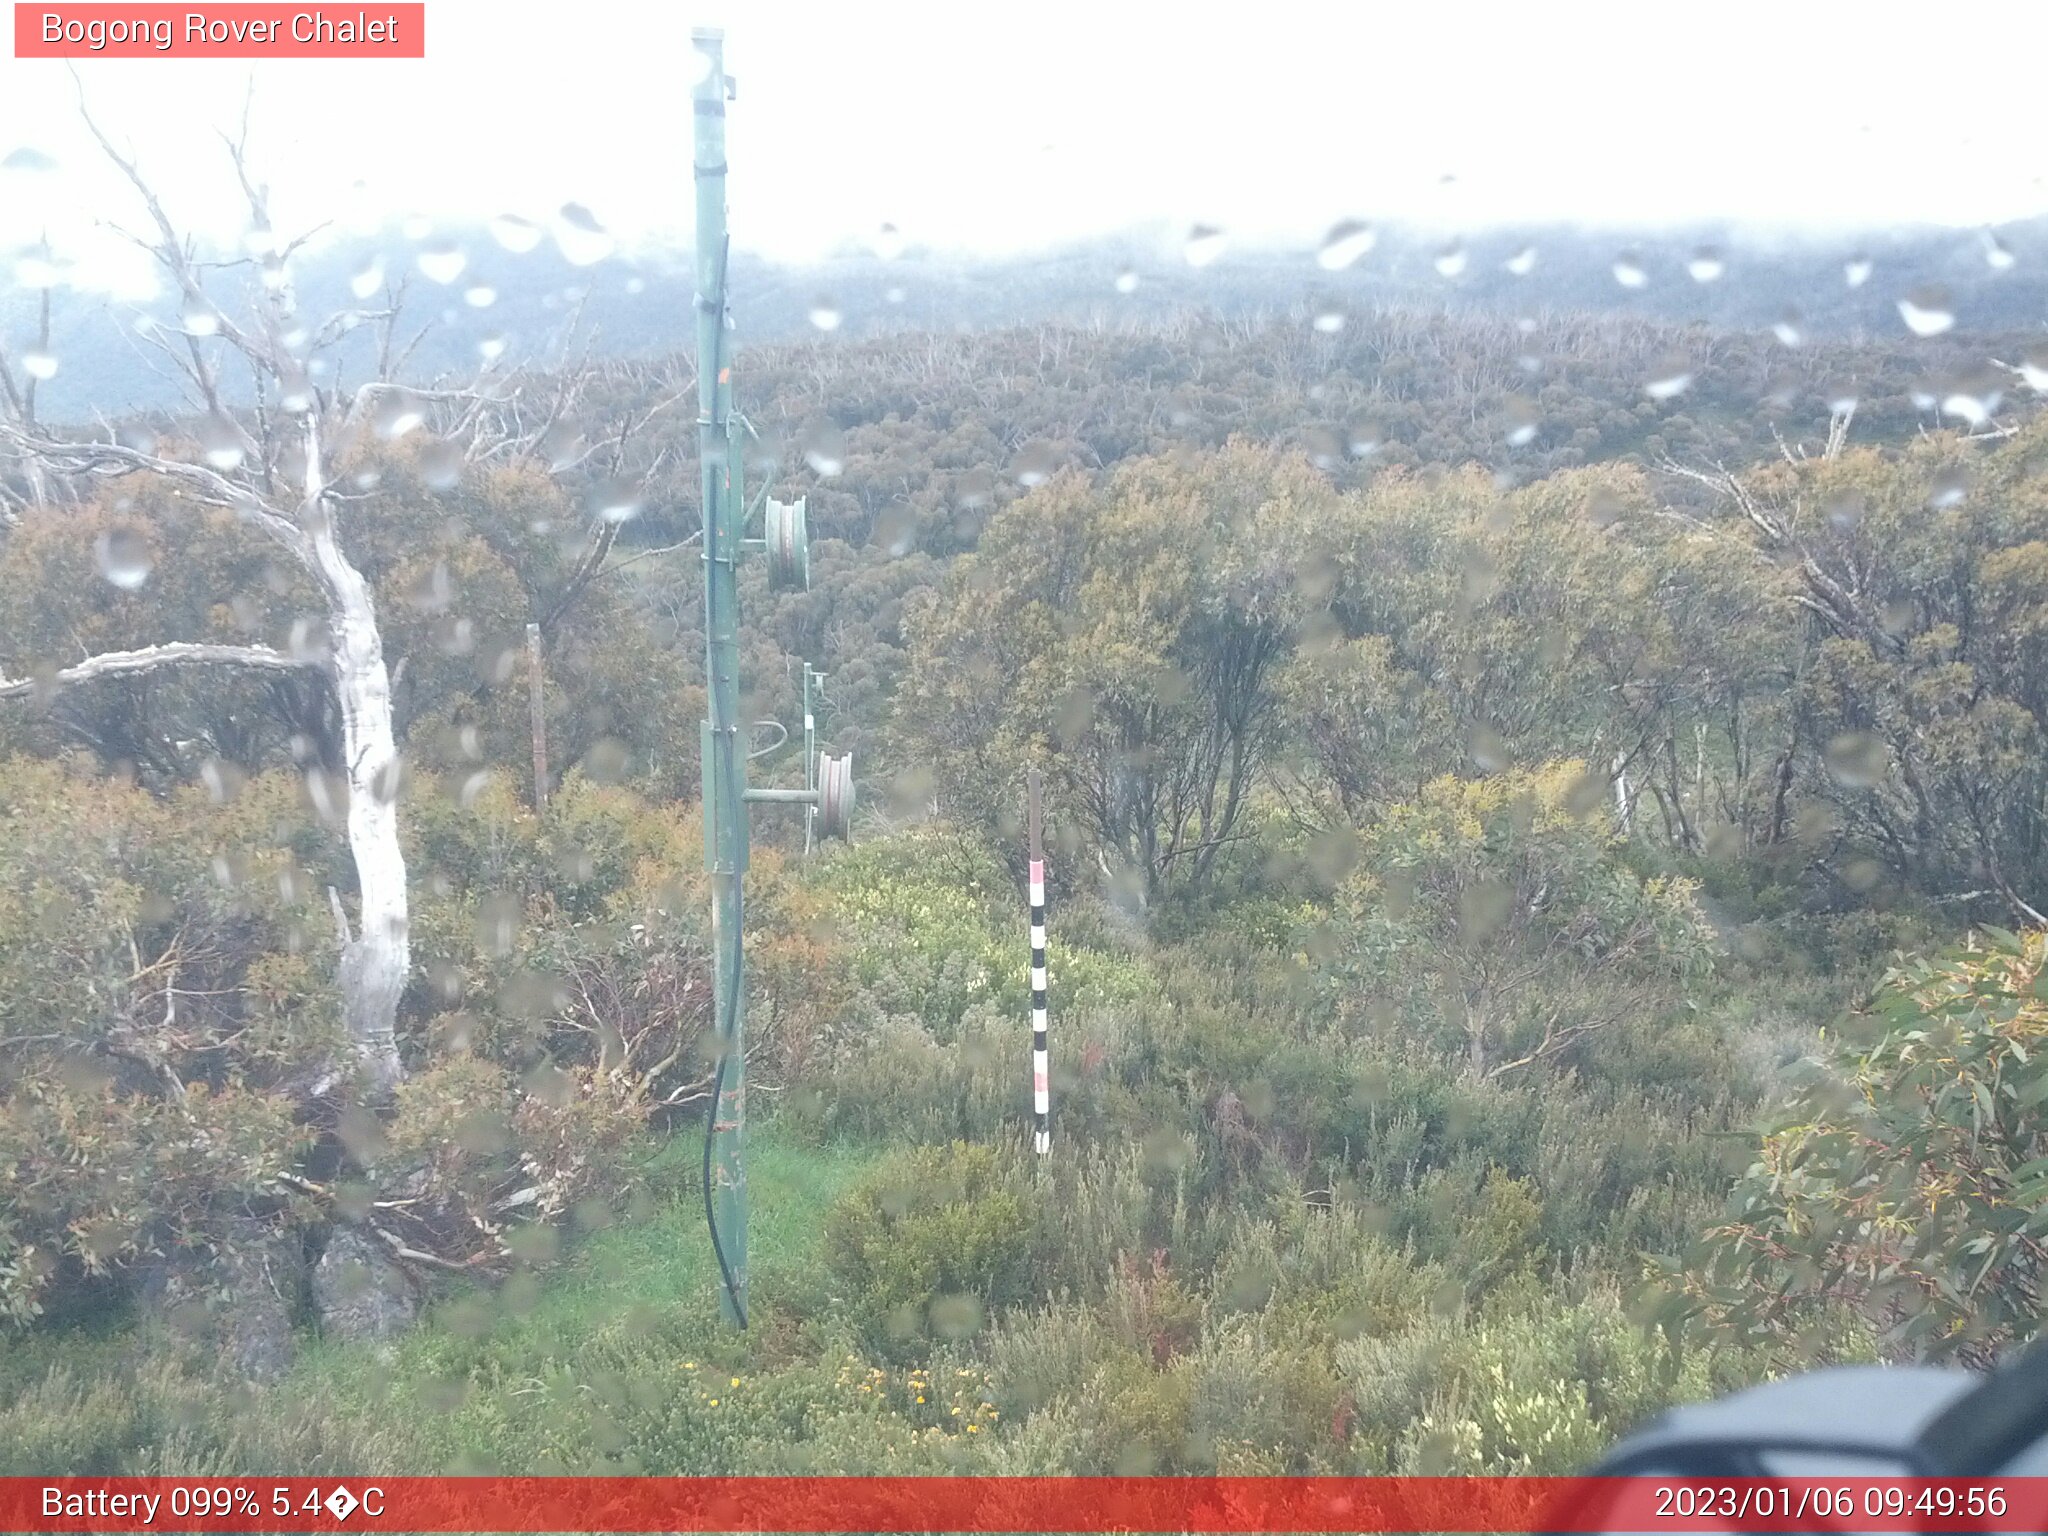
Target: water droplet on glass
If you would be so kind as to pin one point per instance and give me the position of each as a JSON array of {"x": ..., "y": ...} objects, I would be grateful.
[
  {"x": 482, "y": 296},
  {"x": 1344, "y": 244},
  {"x": 441, "y": 465},
  {"x": 584, "y": 242},
  {"x": 1325, "y": 450},
  {"x": 1669, "y": 379},
  {"x": 888, "y": 242},
  {"x": 615, "y": 501},
  {"x": 824, "y": 448},
  {"x": 895, "y": 531},
  {"x": 433, "y": 591},
  {"x": 1786, "y": 328},
  {"x": 1489, "y": 750},
  {"x": 472, "y": 788},
  {"x": 1857, "y": 759},
  {"x": 28, "y": 160},
  {"x": 220, "y": 443},
  {"x": 561, "y": 447},
  {"x": 1628, "y": 270},
  {"x": 397, "y": 413},
  {"x": 200, "y": 319},
  {"x": 38, "y": 364},
  {"x": 1842, "y": 399},
  {"x": 825, "y": 315},
  {"x": 309, "y": 641},
  {"x": 1845, "y": 511},
  {"x": 37, "y": 269},
  {"x": 892, "y": 295},
  {"x": 1706, "y": 265},
  {"x": 492, "y": 347},
  {"x": 2034, "y": 369},
  {"x": 1204, "y": 244},
  {"x": 443, "y": 261},
  {"x": 1523, "y": 262},
  {"x": 1856, "y": 271},
  {"x": 368, "y": 278},
  {"x": 1947, "y": 489},
  {"x": 1329, "y": 320},
  {"x": 1972, "y": 402},
  {"x": 1998, "y": 255},
  {"x": 1927, "y": 311},
  {"x": 1127, "y": 281},
  {"x": 515, "y": 234},
  {"x": 123, "y": 558},
  {"x": 1450, "y": 261},
  {"x": 223, "y": 780},
  {"x": 1034, "y": 464},
  {"x": 1520, "y": 421},
  {"x": 1363, "y": 439}
]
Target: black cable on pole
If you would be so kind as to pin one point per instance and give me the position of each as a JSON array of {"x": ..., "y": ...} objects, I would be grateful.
[{"x": 711, "y": 1135}]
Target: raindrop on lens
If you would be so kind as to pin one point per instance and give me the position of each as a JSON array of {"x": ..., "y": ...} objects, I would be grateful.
[
  {"x": 441, "y": 466},
  {"x": 1450, "y": 261},
  {"x": 1344, "y": 244},
  {"x": 583, "y": 240},
  {"x": 220, "y": 443},
  {"x": 1856, "y": 271},
  {"x": 200, "y": 319},
  {"x": 1669, "y": 379},
  {"x": 1033, "y": 465},
  {"x": 492, "y": 347},
  {"x": 1203, "y": 245},
  {"x": 1707, "y": 265},
  {"x": 1947, "y": 489},
  {"x": 123, "y": 558},
  {"x": 1329, "y": 321},
  {"x": 1786, "y": 329},
  {"x": 28, "y": 160},
  {"x": 888, "y": 242},
  {"x": 1523, "y": 262},
  {"x": 1857, "y": 759},
  {"x": 1997, "y": 254},
  {"x": 825, "y": 449},
  {"x": 1927, "y": 311},
  {"x": 615, "y": 501},
  {"x": 1127, "y": 281},
  {"x": 443, "y": 262},
  {"x": 515, "y": 234},
  {"x": 1628, "y": 270},
  {"x": 482, "y": 296},
  {"x": 825, "y": 315},
  {"x": 39, "y": 364},
  {"x": 398, "y": 414}
]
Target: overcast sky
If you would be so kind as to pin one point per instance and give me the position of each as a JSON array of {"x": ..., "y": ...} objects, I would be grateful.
[{"x": 998, "y": 127}]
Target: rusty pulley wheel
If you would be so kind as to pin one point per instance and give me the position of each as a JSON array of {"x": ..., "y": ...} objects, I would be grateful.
[
  {"x": 789, "y": 546},
  {"x": 835, "y": 796}
]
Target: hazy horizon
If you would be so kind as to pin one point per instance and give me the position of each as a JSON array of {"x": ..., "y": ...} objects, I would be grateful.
[{"x": 979, "y": 136}]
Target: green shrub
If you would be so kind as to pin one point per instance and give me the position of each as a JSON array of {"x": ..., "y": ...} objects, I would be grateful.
[{"x": 931, "y": 1242}]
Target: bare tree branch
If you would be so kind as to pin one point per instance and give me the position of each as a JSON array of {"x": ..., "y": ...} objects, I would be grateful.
[{"x": 151, "y": 658}]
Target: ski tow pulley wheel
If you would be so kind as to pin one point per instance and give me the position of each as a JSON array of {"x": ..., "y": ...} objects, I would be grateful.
[
  {"x": 835, "y": 796},
  {"x": 789, "y": 546}
]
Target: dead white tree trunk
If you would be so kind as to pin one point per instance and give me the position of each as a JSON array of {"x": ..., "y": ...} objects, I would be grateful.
[{"x": 276, "y": 480}]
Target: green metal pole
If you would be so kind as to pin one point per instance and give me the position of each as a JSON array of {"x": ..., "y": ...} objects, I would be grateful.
[{"x": 724, "y": 760}]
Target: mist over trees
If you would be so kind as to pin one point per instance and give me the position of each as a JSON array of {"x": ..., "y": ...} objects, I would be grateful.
[{"x": 1530, "y": 786}]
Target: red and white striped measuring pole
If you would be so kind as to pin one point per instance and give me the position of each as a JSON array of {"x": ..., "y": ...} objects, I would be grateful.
[{"x": 1041, "y": 1082}]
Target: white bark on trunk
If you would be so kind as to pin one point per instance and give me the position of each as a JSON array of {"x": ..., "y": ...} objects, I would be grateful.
[{"x": 377, "y": 959}]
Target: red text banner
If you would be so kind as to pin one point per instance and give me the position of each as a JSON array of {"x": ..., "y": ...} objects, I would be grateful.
[
  {"x": 1022, "y": 1504},
  {"x": 237, "y": 31}
]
